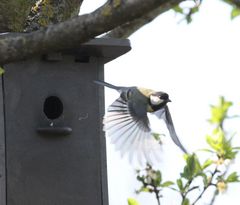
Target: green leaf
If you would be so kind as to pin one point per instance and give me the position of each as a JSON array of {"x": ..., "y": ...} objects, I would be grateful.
[
  {"x": 221, "y": 145},
  {"x": 186, "y": 202},
  {"x": 157, "y": 136},
  {"x": 144, "y": 189},
  {"x": 197, "y": 165},
  {"x": 207, "y": 163},
  {"x": 1, "y": 70},
  {"x": 194, "y": 9},
  {"x": 174, "y": 189},
  {"x": 178, "y": 9},
  {"x": 180, "y": 185},
  {"x": 219, "y": 112},
  {"x": 192, "y": 168},
  {"x": 157, "y": 178},
  {"x": 167, "y": 184},
  {"x": 132, "y": 201},
  {"x": 235, "y": 13},
  {"x": 233, "y": 178},
  {"x": 213, "y": 142}
]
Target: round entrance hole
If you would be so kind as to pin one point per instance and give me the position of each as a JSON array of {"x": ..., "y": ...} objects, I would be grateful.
[{"x": 53, "y": 107}]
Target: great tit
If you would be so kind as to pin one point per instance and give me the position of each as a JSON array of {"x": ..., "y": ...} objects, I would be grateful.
[{"x": 127, "y": 123}]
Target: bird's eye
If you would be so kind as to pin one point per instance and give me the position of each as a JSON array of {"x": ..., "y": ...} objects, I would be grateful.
[
  {"x": 155, "y": 100},
  {"x": 164, "y": 96}
]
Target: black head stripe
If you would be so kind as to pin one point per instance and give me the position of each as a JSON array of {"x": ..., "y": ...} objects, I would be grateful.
[{"x": 164, "y": 96}]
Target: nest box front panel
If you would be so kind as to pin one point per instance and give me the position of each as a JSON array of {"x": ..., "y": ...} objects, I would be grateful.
[{"x": 55, "y": 151}]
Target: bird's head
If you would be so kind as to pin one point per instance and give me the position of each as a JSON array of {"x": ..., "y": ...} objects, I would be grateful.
[{"x": 159, "y": 100}]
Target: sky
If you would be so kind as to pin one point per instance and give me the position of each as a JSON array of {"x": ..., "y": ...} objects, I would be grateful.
[{"x": 195, "y": 64}]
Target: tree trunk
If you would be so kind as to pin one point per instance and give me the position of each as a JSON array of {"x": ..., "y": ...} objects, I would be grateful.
[
  {"x": 13, "y": 14},
  {"x": 29, "y": 15}
]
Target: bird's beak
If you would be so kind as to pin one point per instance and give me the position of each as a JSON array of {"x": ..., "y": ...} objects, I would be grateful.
[{"x": 169, "y": 100}]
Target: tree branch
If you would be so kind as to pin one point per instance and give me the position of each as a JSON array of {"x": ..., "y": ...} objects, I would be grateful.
[
  {"x": 75, "y": 31},
  {"x": 47, "y": 12},
  {"x": 127, "y": 29}
]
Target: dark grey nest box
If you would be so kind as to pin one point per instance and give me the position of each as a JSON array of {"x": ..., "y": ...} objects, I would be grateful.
[{"x": 52, "y": 148}]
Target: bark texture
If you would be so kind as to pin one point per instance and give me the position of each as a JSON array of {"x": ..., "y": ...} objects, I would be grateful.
[
  {"x": 48, "y": 12},
  {"x": 71, "y": 33},
  {"x": 13, "y": 14}
]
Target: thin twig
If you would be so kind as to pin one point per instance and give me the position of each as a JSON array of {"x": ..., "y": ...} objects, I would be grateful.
[
  {"x": 206, "y": 187},
  {"x": 156, "y": 191},
  {"x": 216, "y": 192},
  {"x": 200, "y": 196},
  {"x": 184, "y": 194},
  {"x": 214, "y": 197}
]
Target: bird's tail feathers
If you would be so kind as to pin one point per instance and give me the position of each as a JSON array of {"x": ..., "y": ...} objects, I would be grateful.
[{"x": 107, "y": 84}]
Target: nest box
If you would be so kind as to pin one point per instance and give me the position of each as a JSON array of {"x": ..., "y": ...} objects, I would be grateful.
[{"x": 52, "y": 148}]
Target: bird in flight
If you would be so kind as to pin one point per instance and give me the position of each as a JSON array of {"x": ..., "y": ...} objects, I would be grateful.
[{"x": 127, "y": 124}]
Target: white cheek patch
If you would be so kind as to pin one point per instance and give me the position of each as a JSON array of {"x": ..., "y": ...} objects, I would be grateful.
[{"x": 155, "y": 100}]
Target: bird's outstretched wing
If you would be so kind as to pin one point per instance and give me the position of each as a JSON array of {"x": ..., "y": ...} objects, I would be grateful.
[
  {"x": 166, "y": 116},
  {"x": 130, "y": 132}
]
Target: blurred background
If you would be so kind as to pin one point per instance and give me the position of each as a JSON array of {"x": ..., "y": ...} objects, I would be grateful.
[{"x": 195, "y": 63}]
